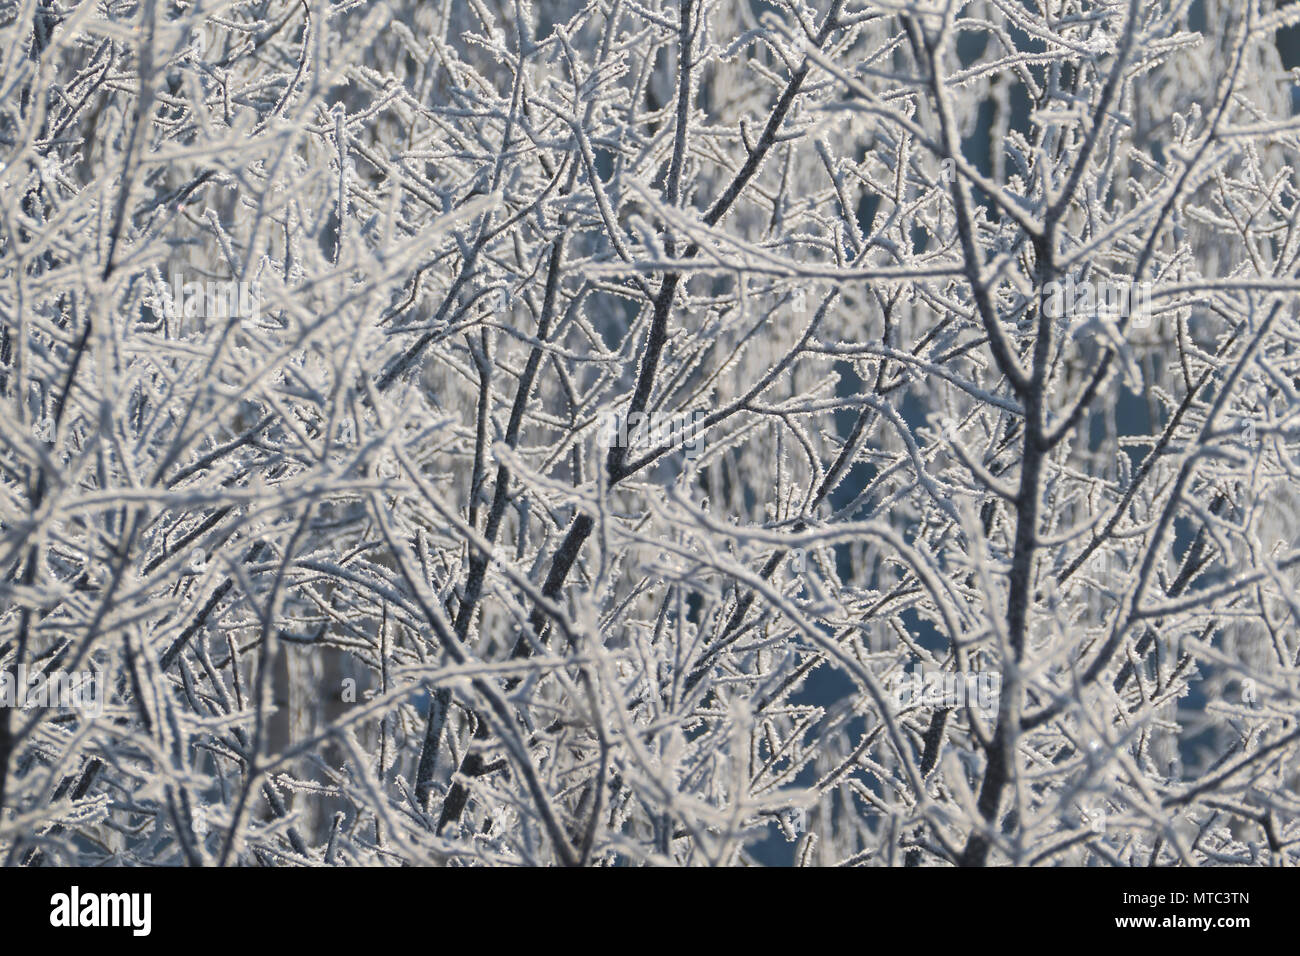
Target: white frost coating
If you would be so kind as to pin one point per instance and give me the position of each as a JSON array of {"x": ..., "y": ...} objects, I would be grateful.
[{"x": 652, "y": 414}]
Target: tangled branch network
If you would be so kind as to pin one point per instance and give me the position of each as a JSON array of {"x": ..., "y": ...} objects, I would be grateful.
[{"x": 621, "y": 432}]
